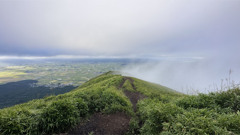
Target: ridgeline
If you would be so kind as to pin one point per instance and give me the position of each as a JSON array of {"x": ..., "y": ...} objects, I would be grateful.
[{"x": 115, "y": 104}]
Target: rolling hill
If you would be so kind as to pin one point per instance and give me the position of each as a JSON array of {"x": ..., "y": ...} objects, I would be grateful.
[{"x": 115, "y": 104}]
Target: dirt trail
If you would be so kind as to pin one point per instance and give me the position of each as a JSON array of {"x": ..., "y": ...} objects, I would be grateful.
[
  {"x": 133, "y": 96},
  {"x": 102, "y": 124},
  {"x": 112, "y": 124}
]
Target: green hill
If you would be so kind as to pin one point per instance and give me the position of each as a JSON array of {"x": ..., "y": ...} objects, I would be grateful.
[{"x": 115, "y": 104}]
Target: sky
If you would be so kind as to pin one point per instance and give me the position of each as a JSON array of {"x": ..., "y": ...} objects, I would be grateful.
[
  {"x": 206, "y": 32},
  {"x": 136, "y": 28}
]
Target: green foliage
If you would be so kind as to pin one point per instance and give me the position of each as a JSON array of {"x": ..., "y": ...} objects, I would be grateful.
[
  {"x": 154, "y": 113},
  {"x": 128, "y": 86},
  {"x": 230, "y": 121},
  {"x": 100, "y": 79},
  {"x": 108, "y": 101},
  {"x": 59, "y": 116},
  {"x": 195, "y": 121},
  {"x": 164, "y": 111},
  {"x": 56, "y": 114},
  {"x": 226, "y": 101},
  {"x": 82, "y": 107},
  {"x": 200, "y": 101},
  {"x": 156, "y": 91},
  {"x": 133, "y": 126},
  {"x": 114, "y": 101},
  {"x": 214, "y": 113},
  {"x": 18, "y": 121}
]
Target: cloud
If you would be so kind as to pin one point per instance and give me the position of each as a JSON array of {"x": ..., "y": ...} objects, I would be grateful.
[
  {"x": 167, "y": 29},
  {"x": 119, "y": 28},
  {"x": 187, "y": 75}
]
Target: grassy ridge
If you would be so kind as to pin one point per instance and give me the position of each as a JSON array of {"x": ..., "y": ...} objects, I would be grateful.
[
  {"x": 164, "y": 111},
  {"x": 57, "y": 114}
]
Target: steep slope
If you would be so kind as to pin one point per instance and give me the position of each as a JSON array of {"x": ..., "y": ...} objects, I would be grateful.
[{"x": 110, "y": 98}]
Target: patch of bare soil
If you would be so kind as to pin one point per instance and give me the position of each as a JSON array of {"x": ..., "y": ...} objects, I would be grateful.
[
  {"x": 103, "y": 124},
  {"x": 134, "y": 97}
]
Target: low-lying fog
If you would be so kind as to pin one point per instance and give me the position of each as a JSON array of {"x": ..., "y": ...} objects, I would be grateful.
[{"x": 187, "y": 75}]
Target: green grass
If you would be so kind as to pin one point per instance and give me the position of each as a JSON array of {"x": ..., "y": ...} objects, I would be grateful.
[
  {"x": 153, "y": 90},
  {"x": 128, "y": 86},
  {"x": 164, "y": 111},
  {"x": 214, "y": 113},
  {"x": 56, "y": 114}
]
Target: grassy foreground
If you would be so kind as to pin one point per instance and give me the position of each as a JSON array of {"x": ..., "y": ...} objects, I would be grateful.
[{"x": 163, "y": 111}]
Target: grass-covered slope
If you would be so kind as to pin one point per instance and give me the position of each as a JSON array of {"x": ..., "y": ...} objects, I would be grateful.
[
  {"x": 153, "y": 109},
  {"x": 57, "y": 114}
]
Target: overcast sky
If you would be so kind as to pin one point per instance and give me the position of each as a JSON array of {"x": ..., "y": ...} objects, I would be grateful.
[
  {"x": 134, "y": 28},
  {"x": 197, "y": 41}
]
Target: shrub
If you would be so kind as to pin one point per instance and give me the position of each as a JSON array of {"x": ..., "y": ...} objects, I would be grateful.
[
  {"x": 82, "y": 107},
  {"x": 231, "y": 122},
  {"x": 200, "y": 101},
  {"x": 195, "y": 121},
  {"x": 222, "y": 102},
  {"x": 18, "y": 121},
  {"x": 154, "y": 113},
  {"x": 59, "y": 117},
  {"x": 133, "y": 126},
  {"x": 228, "y": 99}
]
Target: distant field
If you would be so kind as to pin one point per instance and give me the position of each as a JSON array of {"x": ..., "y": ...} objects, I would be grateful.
[
  {"x": 11, "y": 74},
  {"x": 52, "y": 74}
]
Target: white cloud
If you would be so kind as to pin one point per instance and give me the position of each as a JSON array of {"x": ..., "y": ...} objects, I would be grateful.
[{"x": 104, "y": 27}]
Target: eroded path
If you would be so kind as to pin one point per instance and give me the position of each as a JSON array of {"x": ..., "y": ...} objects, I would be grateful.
[
  {"x": 111, "y": 124},
  {"x": 102, "y": 124},
  {"x": 135, "y": 96}
]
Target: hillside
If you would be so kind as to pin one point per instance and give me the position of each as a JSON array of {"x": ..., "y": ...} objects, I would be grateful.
[{"x": 115, "y": 104}]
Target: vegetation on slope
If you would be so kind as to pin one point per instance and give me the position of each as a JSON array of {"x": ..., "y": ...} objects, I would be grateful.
[
  {"x": 214, "y": 113},
  {"x": 159, "y": 110},
  {"x": 56, "y": 114}
]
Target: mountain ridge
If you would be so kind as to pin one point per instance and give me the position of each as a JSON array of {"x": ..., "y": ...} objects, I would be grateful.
[{"x": 116, "y": 104}]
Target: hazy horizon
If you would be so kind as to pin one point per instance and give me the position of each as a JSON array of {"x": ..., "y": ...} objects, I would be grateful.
[{"x": 194, "y": 43}]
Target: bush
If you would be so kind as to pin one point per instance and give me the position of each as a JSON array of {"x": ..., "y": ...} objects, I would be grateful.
[
  {"x": 195, "y": 121},
  {"x": 18, "y": 121},
  {"x": 222, "y": 102},
  {"x": 200, "y": 101},
  {"x": 59, "y": 117},
  {"x": 154, "y": 113},
  {"x": 231, "y": 122},
  {"x": 228, "y": 99},
  {"x": 82, "y": 107},
  {"x": 133, "y": 126}
]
